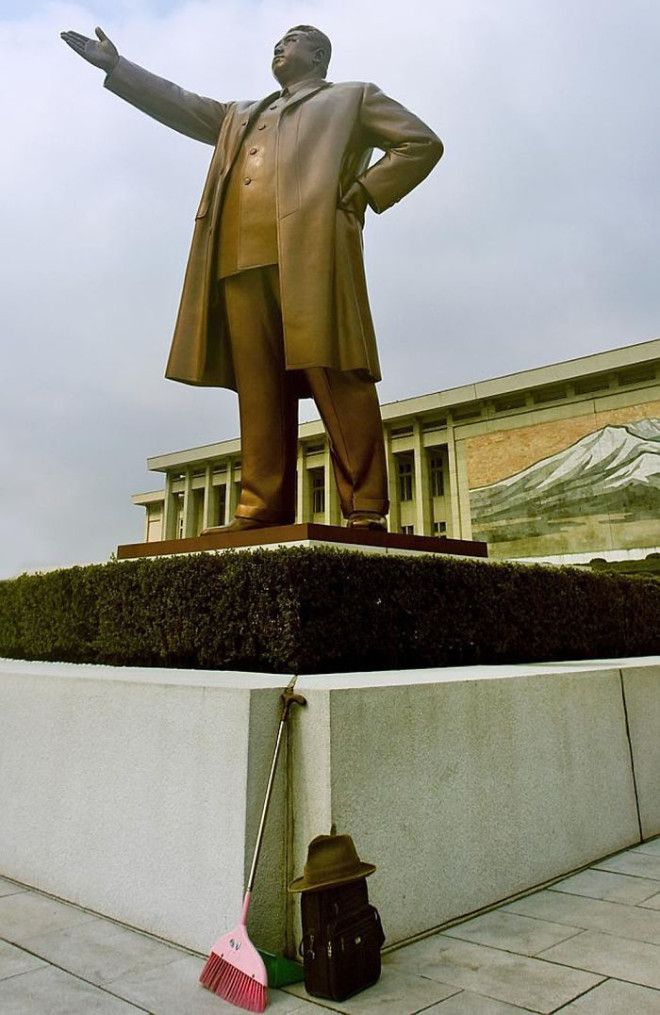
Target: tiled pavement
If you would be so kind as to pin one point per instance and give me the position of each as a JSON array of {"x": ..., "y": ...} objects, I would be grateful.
[{"x": 590, "y": 945}]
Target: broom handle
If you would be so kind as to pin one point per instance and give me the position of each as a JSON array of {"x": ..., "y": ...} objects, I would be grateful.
[{"x": 289, "y": 698}]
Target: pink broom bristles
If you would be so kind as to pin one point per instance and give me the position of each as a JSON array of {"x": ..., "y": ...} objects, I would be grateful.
[
  {"x": 232, "y": 985},
  {"x": 235, "y": 970}
]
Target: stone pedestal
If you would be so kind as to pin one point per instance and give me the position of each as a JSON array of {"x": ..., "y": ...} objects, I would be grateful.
[
  {"x": 136, "y": 792},
  {"x": 306, "y": 534}
]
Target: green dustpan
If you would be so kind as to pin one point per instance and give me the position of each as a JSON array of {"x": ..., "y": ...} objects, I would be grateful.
[{"x": 281, "y": 971}]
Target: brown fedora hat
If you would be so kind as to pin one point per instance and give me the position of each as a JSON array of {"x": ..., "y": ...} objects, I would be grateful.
[{"x": 331, "y": 860}]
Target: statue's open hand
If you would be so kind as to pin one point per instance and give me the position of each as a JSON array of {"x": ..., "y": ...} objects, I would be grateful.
[{"x": 103, "y": 54}]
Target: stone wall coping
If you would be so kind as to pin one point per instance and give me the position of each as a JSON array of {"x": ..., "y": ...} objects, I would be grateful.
[
  {"x": 227, "y": 679},
  {"x": 244, "y": 680},
  {"x": 462, "y": 674}
]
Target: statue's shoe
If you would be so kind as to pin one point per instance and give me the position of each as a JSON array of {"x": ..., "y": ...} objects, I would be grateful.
[
  {"x": 367, "y": 520},
  {"x": 238, "y": 525}
]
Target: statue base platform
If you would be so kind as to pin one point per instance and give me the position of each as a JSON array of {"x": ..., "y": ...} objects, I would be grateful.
[
  {"x": 578, "y": 781},
  {"x": 306, "y": 534}
]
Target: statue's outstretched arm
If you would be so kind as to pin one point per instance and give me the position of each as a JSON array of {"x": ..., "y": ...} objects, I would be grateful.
[{"x": 190, "y": 114}]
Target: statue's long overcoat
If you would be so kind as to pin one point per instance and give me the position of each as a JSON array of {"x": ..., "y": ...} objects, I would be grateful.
[{"x": 325, "y": 138}]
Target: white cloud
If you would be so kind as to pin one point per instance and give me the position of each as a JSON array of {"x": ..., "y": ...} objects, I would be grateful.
[{"x": 534, "y": 240}]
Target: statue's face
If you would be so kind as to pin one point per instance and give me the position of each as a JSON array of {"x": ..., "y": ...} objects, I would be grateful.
[{"x": 295, "y": 57}]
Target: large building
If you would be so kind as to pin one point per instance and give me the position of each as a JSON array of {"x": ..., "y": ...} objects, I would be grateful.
[{"x": 560, "y": 462}]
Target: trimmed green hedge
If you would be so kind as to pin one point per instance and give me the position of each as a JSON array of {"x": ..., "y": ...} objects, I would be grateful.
[
  {"x": 647, "y": 568},
  {"x": 307, "y": 611}
]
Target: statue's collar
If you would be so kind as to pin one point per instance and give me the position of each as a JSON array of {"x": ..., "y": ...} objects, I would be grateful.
[
  {"x": 299, "y": 86},
  {"x": 290, "y": 96}
]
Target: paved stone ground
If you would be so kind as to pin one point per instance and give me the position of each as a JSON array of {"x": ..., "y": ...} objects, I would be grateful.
[{"x": 590, "y": 945}]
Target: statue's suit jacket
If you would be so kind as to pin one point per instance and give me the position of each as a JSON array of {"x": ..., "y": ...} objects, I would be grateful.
[{"x": 326, "y": 135}]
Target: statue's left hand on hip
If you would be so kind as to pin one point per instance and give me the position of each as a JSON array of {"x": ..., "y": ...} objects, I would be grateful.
[{"x": 355, "y": 201}]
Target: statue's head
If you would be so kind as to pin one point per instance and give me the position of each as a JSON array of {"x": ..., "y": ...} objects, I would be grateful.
[{"x": 304, "y": 52}]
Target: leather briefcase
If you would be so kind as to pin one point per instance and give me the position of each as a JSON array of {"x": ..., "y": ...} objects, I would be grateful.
[{"x": 342, "y": 938}]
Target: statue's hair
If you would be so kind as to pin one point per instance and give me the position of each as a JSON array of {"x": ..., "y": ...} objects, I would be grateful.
[{"x": 320, "y": 40}]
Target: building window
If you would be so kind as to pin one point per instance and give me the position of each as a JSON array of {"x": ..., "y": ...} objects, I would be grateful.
[
  {"x": 405, "y": 478},
  {"x": 509, "y": 403},
  {"x": 180, "y": 516},
  {"x": 467, "y": 412},
  {"x": 435, "y": 424},
  {"x": 318, "y": 490},
  {"x": 638, "y": 375},
  {"x": 407, "y": 530},
  {"x": 589, "y": 384},
  {"x": 439, "y": 528},
  {"x": 548, "y": 395},
  {"x": 198, "y": 511},
  {"x": 220, "y": 505},
  {"x": 437, "y": 476}
]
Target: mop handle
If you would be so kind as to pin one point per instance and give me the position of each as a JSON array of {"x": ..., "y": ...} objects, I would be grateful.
[{"x": 289, "y": 698}]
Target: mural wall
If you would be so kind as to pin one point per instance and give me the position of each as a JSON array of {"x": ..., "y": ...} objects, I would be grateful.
[{"x": 583, "y": 484}]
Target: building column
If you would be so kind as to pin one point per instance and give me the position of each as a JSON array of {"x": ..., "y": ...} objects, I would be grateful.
[
  {"x": 464, "y": 505},
  {"x": 232, "y": 495},
  {"x": 207, "y": 514},
  {"x": 188, "y": 507},
  {"x": 169, "y": 510},
  {"x": 332, "y": 509},
  {"x": 454, "y": 513},
  {"x": 303, "y": 486},
  {"x": 422, "y": 489},
  {"x": 394, "y": 517},
  {"x": 229, "y": 473}
]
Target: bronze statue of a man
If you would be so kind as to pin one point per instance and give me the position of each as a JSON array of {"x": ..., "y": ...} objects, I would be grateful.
[{"x": 274, "y": 302}]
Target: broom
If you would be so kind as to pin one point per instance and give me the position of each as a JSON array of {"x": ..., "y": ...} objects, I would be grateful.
[{"x": 234, "y": 969}]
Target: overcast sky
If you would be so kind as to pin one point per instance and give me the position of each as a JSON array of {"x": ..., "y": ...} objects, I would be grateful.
[{"x": 536, "y": 239}]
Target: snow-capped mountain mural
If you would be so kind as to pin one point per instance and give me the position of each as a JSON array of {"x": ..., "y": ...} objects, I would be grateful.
[{"x": 613, "y": 471}]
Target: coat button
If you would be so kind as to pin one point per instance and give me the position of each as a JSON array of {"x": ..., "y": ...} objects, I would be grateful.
[
  {"x": 247, "y": 180},
  {"x": 262, "y": 126},
  {"x": 253, "y": 151}
]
